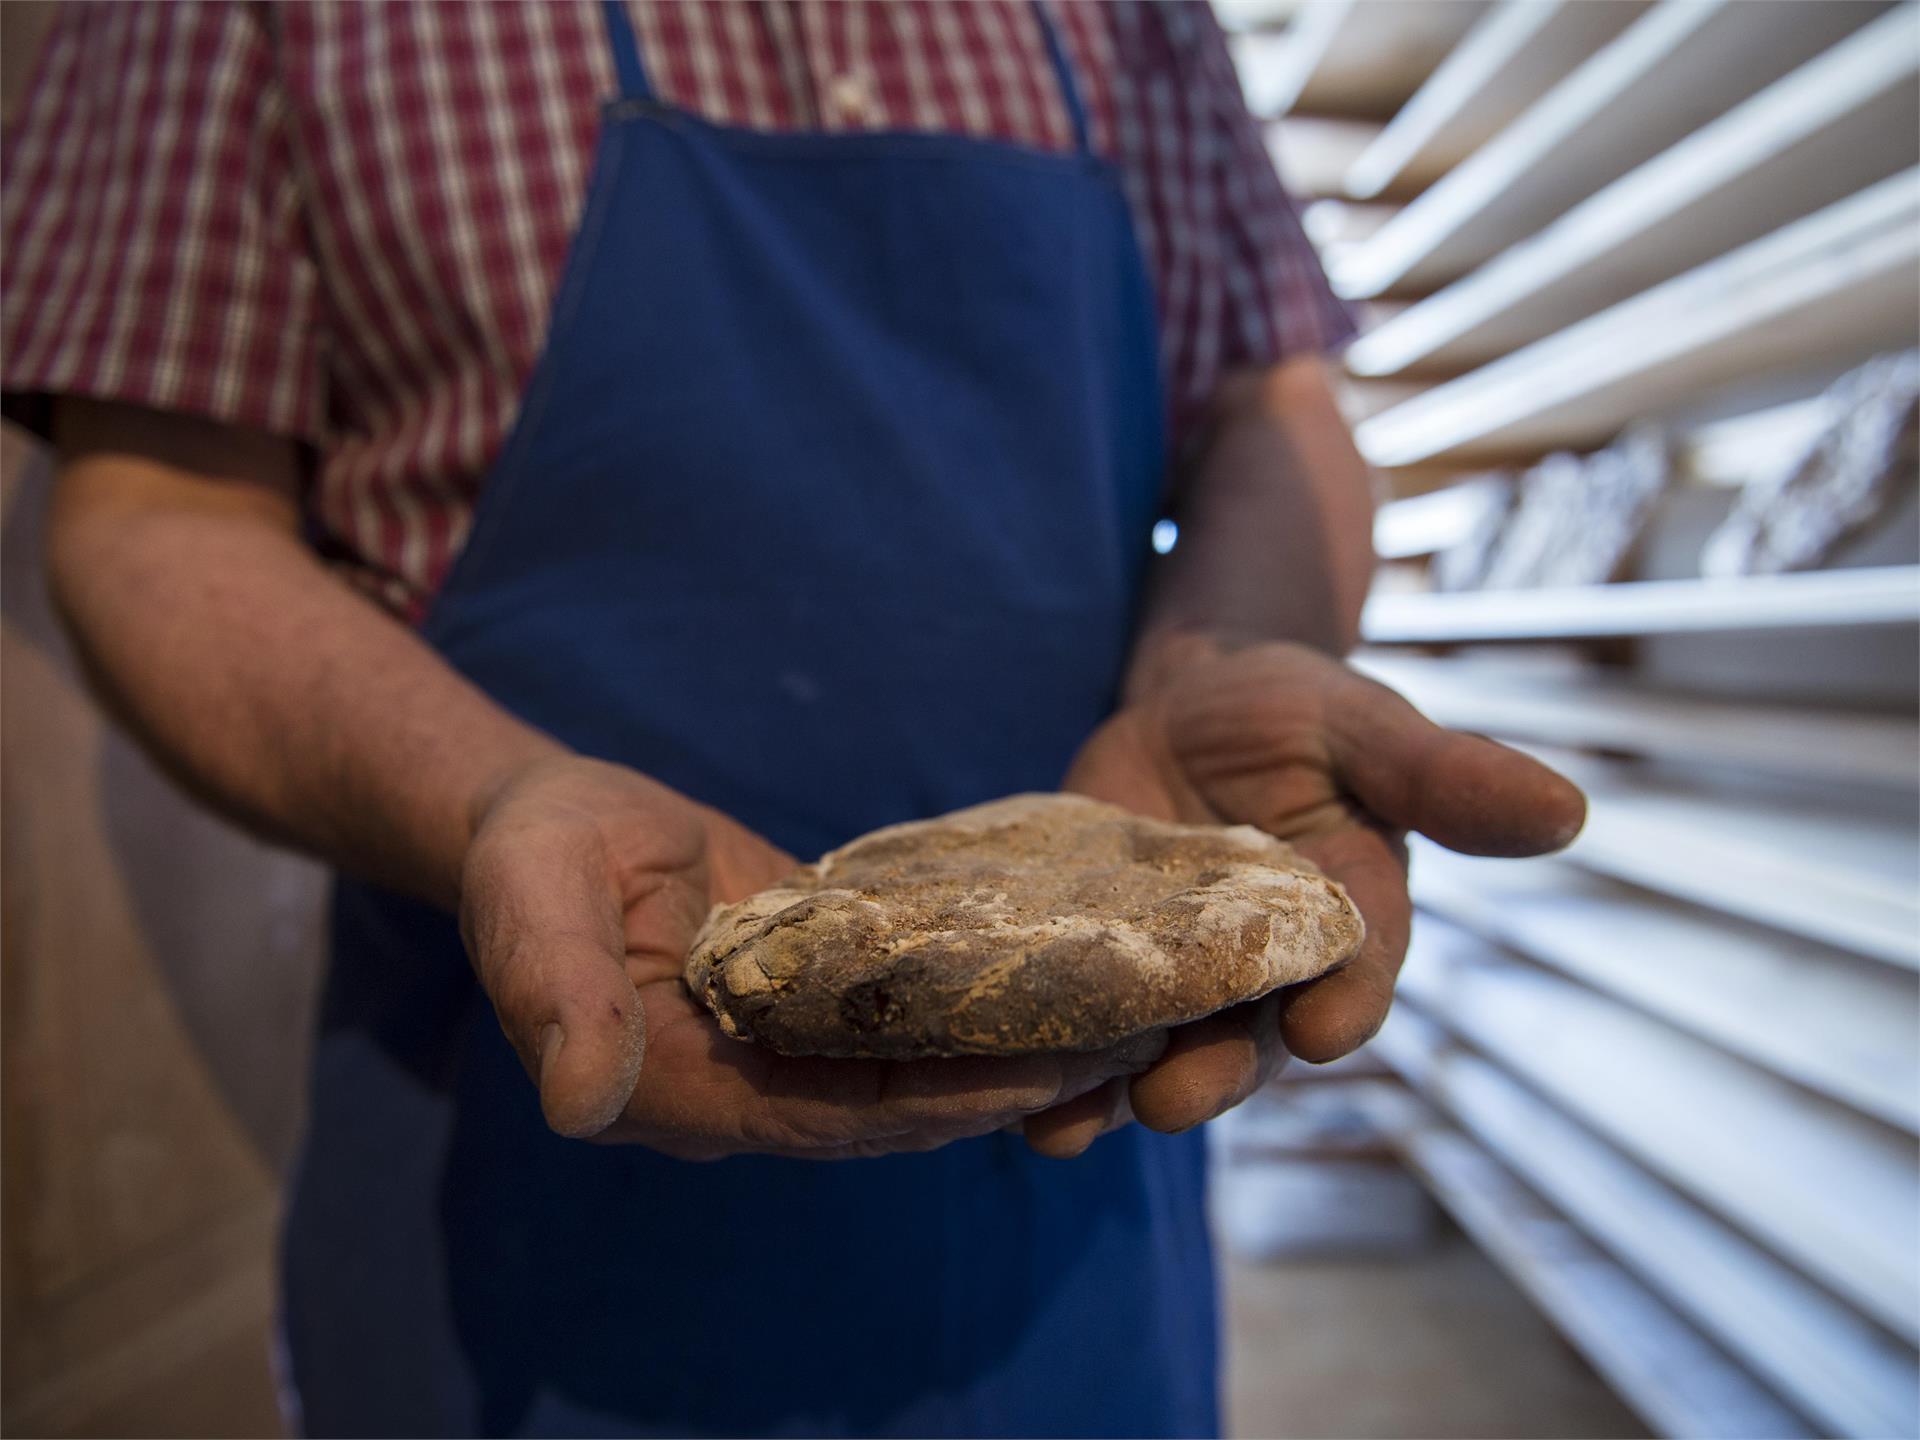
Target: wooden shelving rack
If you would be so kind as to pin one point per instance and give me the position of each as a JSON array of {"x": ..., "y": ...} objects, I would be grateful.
[{"x": 1669, "y": 1080}]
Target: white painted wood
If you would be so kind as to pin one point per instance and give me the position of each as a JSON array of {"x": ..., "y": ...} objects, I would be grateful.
[
  {"x": 1240, "y": 15},
  {"x": 1312, "y": 153},
  {"x": 1844, "y": 1371},
  {"x": 1358, "y": 58},
  {"x": 1438, "y": 520},
  {"x": 1740, "y": 449},
  {"x": 1574, "y": 707},
  {"x": 1678, "y": 1381},
  {"x": 1846, "y": 119},
  {"x": 1834, "y": 287},
  {"x": 1515, "y": 53},
  {"x": 1842, "y": 874},
  {"x": 1680, "y": 65},
  {"x": 1854, "y": 1031},
  {"x": 1815, "y": 600},
  {"x": 1828, "y": 1189}
]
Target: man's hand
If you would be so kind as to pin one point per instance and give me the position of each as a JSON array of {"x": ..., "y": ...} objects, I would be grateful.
[
  {"x": 1282, "y": 737},
  {"x": 583, "y": 889}
]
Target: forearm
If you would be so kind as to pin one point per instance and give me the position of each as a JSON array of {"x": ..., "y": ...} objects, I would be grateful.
[
  {"x": 1275, "y": 513},
  {"x": 253, "y": 674}
]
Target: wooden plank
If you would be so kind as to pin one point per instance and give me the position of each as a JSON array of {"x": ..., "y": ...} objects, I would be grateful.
[
  {"x": 1739, "y": 449},
  {"x": 1816, "y": 600},
  {"x": 1846, "y": 119},
  {"x": 1515, "y": 53},
  {"x": 1855, "y": 1031},
  {"x": 1842, "y": 1370},
  {"x": 1357, "y": 59},
  {"x": 1572, "y": 706},
  {"x": 1438, "y": 520},
  {"x": 1679, "y": 1382},
  {"x": 1679, "y": 66},
  {"x": 1312, "y": 153},
  {"x": 1839, "y": 873},
  {"x": 1826, "y": 1188},
  {"x": 1236, "y": 16},
  {"x": 1832, "y": 288}
]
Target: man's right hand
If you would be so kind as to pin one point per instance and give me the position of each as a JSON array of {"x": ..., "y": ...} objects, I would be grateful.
[{"x": 582, "y": 891}]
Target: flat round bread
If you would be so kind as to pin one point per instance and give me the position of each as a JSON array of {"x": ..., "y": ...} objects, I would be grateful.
[{"x": 1036, "y": 923}]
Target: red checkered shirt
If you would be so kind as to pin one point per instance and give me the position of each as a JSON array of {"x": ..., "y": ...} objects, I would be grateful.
[{"x": 344, "y": 222}]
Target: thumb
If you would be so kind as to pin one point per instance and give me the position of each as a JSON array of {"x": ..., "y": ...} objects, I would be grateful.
[
  {"x": 543, "y": 926},
  {"x": 1469, "y": 793}
]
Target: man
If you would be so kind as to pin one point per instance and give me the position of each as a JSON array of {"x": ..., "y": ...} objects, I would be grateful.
[{"x": 562, "y": 514}]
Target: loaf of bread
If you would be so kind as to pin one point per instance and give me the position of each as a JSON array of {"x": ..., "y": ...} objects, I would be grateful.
[{"x": 1031, "y": 924}]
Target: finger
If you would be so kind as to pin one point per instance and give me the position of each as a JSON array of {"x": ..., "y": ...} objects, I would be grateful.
[
  {"x": 1465, "y": 791},
  {"x": 545, "y": 934},
  {"x": 1067, "y": 1130},
  {"x": 1210, "y": 1066},
  {"x": 1339, "y": 1012}
]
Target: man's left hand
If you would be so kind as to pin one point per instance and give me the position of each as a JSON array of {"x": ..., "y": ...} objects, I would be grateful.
[{"x": 1285, "y": 738}]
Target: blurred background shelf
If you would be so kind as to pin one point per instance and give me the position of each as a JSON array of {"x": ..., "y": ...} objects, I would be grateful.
[
  {"x": 1882, "y": 595},
  {"x": 1676, "y": 67},
  {"x": 1840, "y": 284},
  {"x": 1846, "y": 1374},
  {"x": 1633, "y": 280},
  {"x": 1829, "y": 1190},
  {"x": 1837, "y": 124},
  {"x": 1516, "y": 51},
  {"x": 1680, "y": 1382},
  {"x": 1573, "y": 706},
  {"x": 1355, "y": 59}
]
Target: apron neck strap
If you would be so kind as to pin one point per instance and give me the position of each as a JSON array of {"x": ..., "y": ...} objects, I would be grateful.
[
  {"x": 627, "y": 69},
  {"x": 632, "y": 74},
  {"x": 1063, "y": 72}
]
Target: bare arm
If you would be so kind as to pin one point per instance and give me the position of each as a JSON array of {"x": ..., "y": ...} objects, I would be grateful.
[
  {"x": 281, "y": 697},
  {"x": 1276, "y": 525},
  {"x": 263, "y": 683}
]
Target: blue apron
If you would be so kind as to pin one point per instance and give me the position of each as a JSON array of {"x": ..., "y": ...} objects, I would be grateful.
[{"x": 828, "y": 505}]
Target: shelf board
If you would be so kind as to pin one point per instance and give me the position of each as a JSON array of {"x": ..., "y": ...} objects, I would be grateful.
[
  {"x": 1882, "y": 595},
  {"x": 1842, "y": 1370},
  {"x": 1438, "y": 520},
  {"x": 1834, "y": 287},
  {"x": 1572, "y": 707},
  {"x": 1514, "y": 54},
  {"x": 1855, "y": 1033},
  {"x": 1679, "y": 1382},
  {"x": 1842, "y": 875},
  {"x": 1358, "y": 59},
  {"x": 1828, "y": 1189},
  {"x": 1680, "y": 65},
  {"x": 1841, "y": 122}
]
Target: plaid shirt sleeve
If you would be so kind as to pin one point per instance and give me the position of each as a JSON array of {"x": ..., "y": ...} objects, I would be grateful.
[
  {"x": 1239, "y": 285},
  {"x": 1280, "y": 303},
  {"x": 153, "y": 237}
]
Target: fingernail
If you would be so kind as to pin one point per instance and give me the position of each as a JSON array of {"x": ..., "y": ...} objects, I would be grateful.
[{"x": 552, "y": 1037}]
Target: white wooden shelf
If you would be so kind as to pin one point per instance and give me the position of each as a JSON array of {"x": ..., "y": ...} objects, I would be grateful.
[
  {"x": 1514, "y": 54},
  {"x": 1835, "y": 287},
  {"x": 1881, "y": 595},
  {"x": 1828, "y": 1189},
  {"x": 1352, "y": 58},
  {"x": 1680, "y": 65},
  {"x": 1843, "y": 121},
  {"x": 1842, "y": 1370},
  {"x": 1842, "y": 875},
  {"x": 1560, "y": 705},
  {"x": 1854, "y": 1032},
  {"x": 1678, "y": 1381},
  {"x": 1739, "y": 449}
]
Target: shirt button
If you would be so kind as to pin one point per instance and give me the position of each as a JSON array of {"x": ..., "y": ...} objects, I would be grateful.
[{"x": 851, "y": 98}]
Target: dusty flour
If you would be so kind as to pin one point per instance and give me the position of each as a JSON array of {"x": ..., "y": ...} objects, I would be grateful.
[{"x": 1040, "y": 922}]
